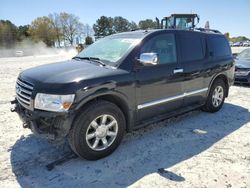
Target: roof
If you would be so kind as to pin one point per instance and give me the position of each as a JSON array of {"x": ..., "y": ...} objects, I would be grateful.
[
  {"x": 134, "y": 34},
  {"x": 181, "y": 15},
  {"x": 143, "y": 33}
]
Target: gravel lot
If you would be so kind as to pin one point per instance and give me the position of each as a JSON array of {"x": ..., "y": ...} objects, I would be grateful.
[{"x": 167, "y": 154}]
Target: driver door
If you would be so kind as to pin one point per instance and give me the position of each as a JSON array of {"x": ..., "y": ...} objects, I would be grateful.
[{"x": 158, "y": 87}]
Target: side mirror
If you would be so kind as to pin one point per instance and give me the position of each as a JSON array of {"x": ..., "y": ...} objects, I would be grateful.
[{"x": 149, "y": 59}]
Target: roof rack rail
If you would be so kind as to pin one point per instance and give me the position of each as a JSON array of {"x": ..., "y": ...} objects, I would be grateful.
[{"x": 207, "y": 30}]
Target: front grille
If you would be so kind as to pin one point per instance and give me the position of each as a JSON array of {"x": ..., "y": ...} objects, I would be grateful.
[{"x": 24, "y": 92}]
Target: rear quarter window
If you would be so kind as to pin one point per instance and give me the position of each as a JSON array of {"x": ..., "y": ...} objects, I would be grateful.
[
  {"x": 219, "y": 46},
  {"x": 192, "y": 46}
]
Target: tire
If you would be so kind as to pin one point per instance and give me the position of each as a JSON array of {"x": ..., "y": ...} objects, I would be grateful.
[
  {"x": 99, "y": 120},
  {"x": 211, "y": 105}
]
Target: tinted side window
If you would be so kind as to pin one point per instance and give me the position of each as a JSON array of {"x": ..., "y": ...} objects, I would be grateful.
[
  {"x": 164, "y": 45},
  {"x": 191, "y": 47},
  {"x": 219, "y": 46}
]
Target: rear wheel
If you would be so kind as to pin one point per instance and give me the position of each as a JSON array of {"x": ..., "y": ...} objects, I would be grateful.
[
  {"x": 216, "y": 96},
  {"x": 98, "y": 131}
]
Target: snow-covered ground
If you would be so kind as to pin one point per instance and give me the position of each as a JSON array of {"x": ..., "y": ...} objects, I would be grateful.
[{"x": 167, "y": 154}]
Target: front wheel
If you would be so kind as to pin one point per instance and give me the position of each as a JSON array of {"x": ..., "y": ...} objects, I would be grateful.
[
  {"x": 216, "y": 96},
  {"x": 98, "y": 131}
]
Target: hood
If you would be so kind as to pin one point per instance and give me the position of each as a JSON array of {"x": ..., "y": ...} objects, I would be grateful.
[
  {"x": 242, "y": 64},
  {"x": 66, "y": 72}
]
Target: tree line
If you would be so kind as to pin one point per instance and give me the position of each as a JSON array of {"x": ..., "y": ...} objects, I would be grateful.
[
  {"x": 65, "y": 28},
  {"x": 105, "y": 26},
  {"x": 10, "y": 34},
  {"x": 49, "y": 29},
  {"x": 236, "y": 39}
]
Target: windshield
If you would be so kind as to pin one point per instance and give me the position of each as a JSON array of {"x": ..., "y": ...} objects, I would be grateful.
[
  {"x": 184, "y": 23},
  {"x": 244, "y": 55},
  {"x": 110, "y": 49}
]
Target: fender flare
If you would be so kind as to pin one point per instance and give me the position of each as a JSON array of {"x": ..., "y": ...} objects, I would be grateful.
[
  {"x": 214, "y": 78},
  {"x": 107, "y": 92}
]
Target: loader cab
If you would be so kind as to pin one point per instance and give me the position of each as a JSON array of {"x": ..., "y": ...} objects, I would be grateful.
[{"x": 180, "y": 21}]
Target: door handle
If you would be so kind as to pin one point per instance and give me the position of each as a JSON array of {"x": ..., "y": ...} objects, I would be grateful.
[{"x": 178, "y": 71}]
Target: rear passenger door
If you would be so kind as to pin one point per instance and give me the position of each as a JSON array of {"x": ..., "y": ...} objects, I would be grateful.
[
  {"x": 220, "y": 57},
  {"x": 192, "y": 50}
]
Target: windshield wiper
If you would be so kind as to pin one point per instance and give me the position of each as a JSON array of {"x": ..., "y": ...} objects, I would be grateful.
[
  {"x": 76, "y": 58},
  {"x": 95, "y": 59}
]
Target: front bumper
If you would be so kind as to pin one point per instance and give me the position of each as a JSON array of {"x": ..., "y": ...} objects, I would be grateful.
[
  {"x": 51, "y": 125},
  {"x": 242, "y": 78}
]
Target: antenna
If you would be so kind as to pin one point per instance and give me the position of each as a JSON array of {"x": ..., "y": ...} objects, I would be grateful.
[
  {"x": 157, "y": 23},
  {"x": 207, "y": 25}
]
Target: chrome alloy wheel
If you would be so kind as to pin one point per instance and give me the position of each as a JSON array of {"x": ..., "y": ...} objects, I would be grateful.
[
  {"x": 217, "y": 96},
  {"x": 102, "y": 132}
]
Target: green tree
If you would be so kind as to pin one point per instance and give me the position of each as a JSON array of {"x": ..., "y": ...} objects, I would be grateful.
[
  {"x": 71, "y": 26},
  {"x": 23, "y": 32},
  {"x": 8, "y": 33},
  {"x": 41, "y": 29},
  {"x": 239, "y": 39},
  {"x": 147, "y": 24},
  {"x": 133, "y": 26},
  {"x": 88, "y": 40},
  {"x": 103, "y": 26},
  {"x": 227, "y": 35},
  {"x": 120, "y": 24}
]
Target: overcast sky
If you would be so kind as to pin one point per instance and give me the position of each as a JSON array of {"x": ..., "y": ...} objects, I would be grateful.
[{"x": 224, "y": 15}]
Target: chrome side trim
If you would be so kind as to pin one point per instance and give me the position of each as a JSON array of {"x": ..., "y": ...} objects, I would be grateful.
[
  {"x": 152, "y": 103},
  {"x": 195, "y": 92},
  {"x": 178, "y": 71},
  {"x": 160, "y": 101}
]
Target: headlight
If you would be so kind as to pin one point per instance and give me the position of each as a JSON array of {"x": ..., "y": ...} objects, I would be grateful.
[{"x": 55, "y": 103}]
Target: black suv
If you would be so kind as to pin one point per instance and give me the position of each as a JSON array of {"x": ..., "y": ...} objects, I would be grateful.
[{"x": 123, "y": 82}]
